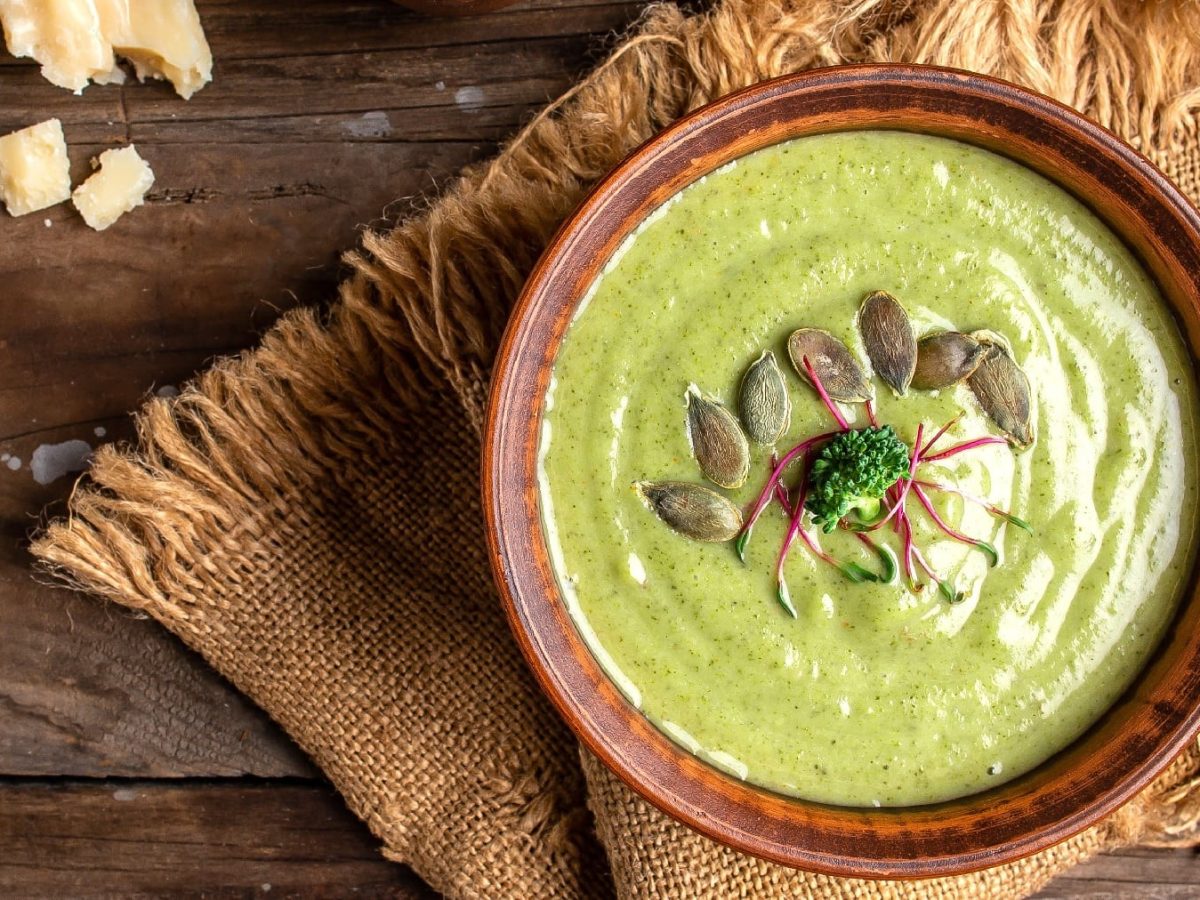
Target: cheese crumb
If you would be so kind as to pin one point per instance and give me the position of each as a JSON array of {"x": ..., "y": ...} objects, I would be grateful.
[
  {"x": 77, "y": 41},
  {"x": 34, "y": 169},
  {"x": 119, "y": 186}
]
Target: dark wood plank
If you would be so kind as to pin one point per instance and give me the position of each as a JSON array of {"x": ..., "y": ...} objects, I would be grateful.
[
  {"x": 1137, "y": 872},
  {"x": 143, "y": 839},
  {"x": 87, "y": 689},
  {"x": 246, "y": 219},
  {"x": 317, "y": 61},
  {"x": 94, "y": 322},
  {"x": 260, "y": 30},
  {"x": 227, "y": 839}
]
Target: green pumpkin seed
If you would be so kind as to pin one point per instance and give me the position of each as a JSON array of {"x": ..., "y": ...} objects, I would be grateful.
[
  {"x": 946, "y": 359},
  {"x": 694, "y": 511},
  {"x": 1002, "y": 389},
  {"x": 842, "y": 377},
  {"x": 888, "y": 339},
  {"x": 717, "y": 440},
  {"x": 763, "y": 401}
]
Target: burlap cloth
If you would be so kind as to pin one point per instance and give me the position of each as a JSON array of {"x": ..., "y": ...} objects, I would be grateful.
[{"x": 306, "y": 515}]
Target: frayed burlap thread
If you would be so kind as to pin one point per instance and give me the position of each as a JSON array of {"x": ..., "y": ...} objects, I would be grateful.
[
  {"x": 305, "y": 515},
  {"x": 316, "y": 537}
]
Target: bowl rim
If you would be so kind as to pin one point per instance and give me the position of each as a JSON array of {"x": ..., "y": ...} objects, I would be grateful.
[{"x": 1137, "y": 737}]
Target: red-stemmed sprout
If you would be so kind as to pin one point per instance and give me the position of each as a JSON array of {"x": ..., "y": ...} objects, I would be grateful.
[
  {"x": 895, "y": 500},
  {"x": 982, "y": 546},
  {"x": 904, "y": 527},
  {"x": 886, "y": 557},
  {"x": 869, "y": 405},
  {"x": 851, "y": 570},
  {"x": 980, "y": 501},
  {"x": 965, "y": 446},
  {"x": 824, "y": 394},
  {"x": 773, "y": 482},
  {"x": 949, "y": 591},
  {"x": 941, "y": 432}
]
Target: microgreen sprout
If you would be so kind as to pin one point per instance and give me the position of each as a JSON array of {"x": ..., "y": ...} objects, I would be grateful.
[
  {"x": 853, "y": 475},
  {"x": 980, "y": 501},
  {"x": 824, "y": 395},
  {"x": 886, "y": 557},
  {"x": 773, "y": 482},
  {"x": 965, "y": 446},
  {"x": 982, "y": 546}
]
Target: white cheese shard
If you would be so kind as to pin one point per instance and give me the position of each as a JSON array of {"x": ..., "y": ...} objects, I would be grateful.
[
  {"x": 162, "y": 38},
  {"x": 63, "y": 35},
  {"x": 34, "y": 169},
  {"x": 79, "y": 40},
  {"x": 118, "y": 186}
]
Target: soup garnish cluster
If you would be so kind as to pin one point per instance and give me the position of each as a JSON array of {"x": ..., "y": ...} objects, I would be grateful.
[{"x": 859, "y": 480}]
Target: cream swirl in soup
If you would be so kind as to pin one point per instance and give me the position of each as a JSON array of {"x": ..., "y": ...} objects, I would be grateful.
[{"x": 877, "y": 694}]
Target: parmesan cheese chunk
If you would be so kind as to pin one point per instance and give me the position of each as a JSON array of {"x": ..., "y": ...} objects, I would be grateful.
[
  {"x": 34, "y": 169},
  {"x": 63, "y": 35},
  {"x": 162, "y": 38},
  {"x": 78, "y": 40},
  {"x": 118, "y": 186}
]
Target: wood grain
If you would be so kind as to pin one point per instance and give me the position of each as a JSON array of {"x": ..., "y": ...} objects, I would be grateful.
[
  {"x": 1145, "y": 873},
  {"x": 324, "y": 116},
  {"x": 90, "y": 690},
  {"x": 230, "y": 839},
  {"x": 262, "y": 180},
  {"x": 136, "y": 838}
]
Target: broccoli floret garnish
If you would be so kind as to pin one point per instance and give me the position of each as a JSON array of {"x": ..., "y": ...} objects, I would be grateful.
[{"x": 852, "y": 472}]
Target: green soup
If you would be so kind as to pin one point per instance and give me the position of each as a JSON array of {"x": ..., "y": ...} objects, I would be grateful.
[{"x": 876, "y": 694}]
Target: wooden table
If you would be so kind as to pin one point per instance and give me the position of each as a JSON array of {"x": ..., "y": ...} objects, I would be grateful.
[{"x": 126, "y": 765}]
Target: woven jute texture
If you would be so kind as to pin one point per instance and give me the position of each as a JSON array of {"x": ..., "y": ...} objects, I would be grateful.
[{"x": 306, "y": 515}]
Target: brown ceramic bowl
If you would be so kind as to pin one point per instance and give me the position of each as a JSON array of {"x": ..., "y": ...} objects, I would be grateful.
[{"x": 1118, "y": 756}]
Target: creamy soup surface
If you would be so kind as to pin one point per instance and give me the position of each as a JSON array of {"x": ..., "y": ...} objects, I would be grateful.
[{"x": 876, "y": 694}]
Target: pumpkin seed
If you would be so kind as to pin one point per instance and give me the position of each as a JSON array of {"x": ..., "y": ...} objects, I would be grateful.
[
  {"x": 840, "y": 375},
  {"x": 987, "y": 337},
  {"x": 717, "y": 440},
  {"x": 763, "y": 401},
  {"x": 1003, "y": 391},
  {"x": 888, "y": 339},
  {"x": 945, "y": 359},
  {"x": 694, "y": 511}
]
